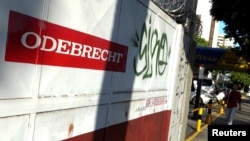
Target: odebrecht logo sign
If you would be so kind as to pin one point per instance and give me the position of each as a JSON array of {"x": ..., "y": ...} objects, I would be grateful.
[{"x": 35, "y": 41}]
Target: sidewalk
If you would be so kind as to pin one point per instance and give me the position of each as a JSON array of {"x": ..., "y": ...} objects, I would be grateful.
[{"x": 241, "y": 118}]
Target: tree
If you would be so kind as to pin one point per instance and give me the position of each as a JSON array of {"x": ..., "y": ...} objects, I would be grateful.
[
  {"x": 236, "y": 16},
  {"x": 240, "y": 77},
  {"x": 200, "y": 41}
]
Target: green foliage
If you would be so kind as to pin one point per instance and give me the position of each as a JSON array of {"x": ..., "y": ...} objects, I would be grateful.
[
  {"x": 235, "y": 14},
  {"x": 240, "y": 77},
  {"x": 200, "y": 41}
]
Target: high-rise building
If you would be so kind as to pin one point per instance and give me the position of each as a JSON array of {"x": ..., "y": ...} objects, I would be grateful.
[
  {"x": 225, "y": 42},
  {"x": 209, "y": 27}
]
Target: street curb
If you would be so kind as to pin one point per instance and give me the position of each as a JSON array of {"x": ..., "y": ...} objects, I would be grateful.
[{"x": 193, "y": 135}]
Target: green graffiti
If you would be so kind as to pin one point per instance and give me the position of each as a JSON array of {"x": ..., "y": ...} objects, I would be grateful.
[{"x": 153, "y": 52}]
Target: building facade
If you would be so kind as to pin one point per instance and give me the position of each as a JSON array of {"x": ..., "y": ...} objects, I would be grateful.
[{"x": 224, "y": 42}]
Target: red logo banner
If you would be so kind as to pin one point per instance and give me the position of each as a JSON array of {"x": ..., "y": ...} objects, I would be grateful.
[{"x": 35, "y": 41}]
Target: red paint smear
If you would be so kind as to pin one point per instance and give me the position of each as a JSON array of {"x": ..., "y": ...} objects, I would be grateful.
[
  {"x": 16, "y": 52},
  {"x": 153, "y": 127}
]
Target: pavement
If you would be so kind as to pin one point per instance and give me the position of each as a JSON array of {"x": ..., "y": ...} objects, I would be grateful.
[{"x": 198, "y": 131}]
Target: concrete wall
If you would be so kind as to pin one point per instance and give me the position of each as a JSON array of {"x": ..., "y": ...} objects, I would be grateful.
[{"x": 91, "y": 70}]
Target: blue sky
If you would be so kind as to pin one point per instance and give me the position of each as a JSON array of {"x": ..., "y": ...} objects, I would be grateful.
[{"x": 222, "y": 25}]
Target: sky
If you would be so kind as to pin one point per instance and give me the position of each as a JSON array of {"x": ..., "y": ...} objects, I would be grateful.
[{"x": 222, "y": 25}]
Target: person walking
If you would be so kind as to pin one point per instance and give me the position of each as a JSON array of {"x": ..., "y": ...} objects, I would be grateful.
[{"x": 232, "y": 98}]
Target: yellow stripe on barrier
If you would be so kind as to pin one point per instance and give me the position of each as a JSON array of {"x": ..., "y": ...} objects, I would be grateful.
[
  {"x": 221, "y": 110},
  {"x": 198, "y": 125},
  {"x": 208, "y": 118},
  {"x": 192, "y": 136}
]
